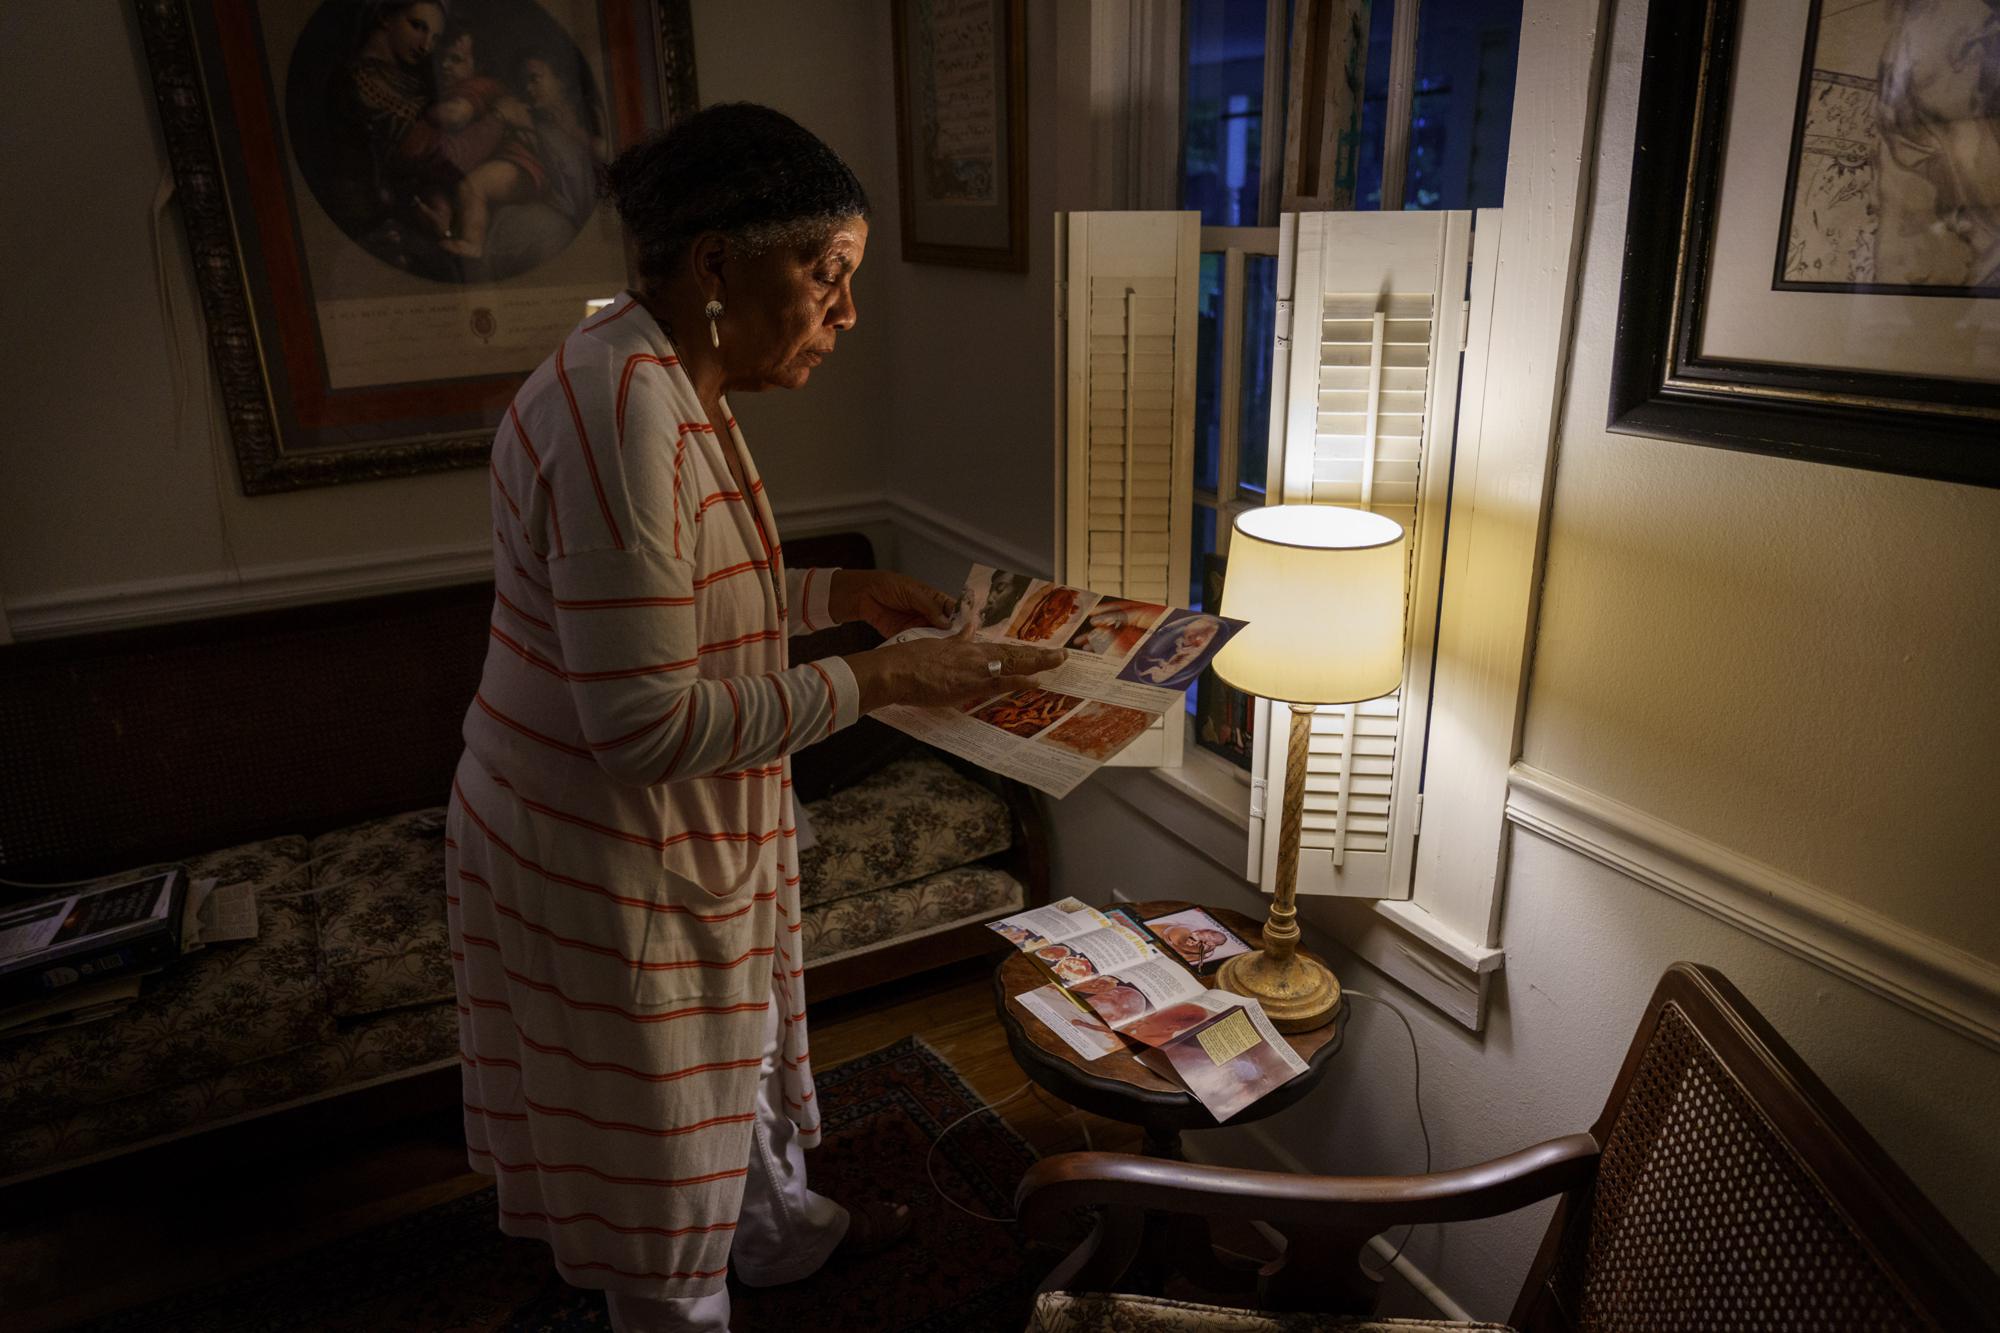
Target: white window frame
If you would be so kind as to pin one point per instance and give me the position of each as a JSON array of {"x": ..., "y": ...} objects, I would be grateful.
[
  {"x": 1444, "y": 941},
  {"x": 1510, "y": 411}
]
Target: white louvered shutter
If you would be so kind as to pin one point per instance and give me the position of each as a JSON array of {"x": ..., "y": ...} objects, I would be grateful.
[
  {"x": 1378, "y": 320},
  {"x": 1126, "y": 294}
]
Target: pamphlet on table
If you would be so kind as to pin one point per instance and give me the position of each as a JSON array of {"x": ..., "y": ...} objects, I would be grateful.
[
  {"x": 1112, "y": 983},
  {"x": 1128, "y": 662}
]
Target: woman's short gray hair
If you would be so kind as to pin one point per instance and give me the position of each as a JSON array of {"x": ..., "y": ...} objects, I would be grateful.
[{"x": 751, "y": 173}]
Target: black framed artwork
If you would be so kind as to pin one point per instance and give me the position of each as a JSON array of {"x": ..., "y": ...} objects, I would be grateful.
[
  {"x": 394, "y": 209},
  {"x": 1812, "y": 251},
  {"x": 962, "y": 131}
]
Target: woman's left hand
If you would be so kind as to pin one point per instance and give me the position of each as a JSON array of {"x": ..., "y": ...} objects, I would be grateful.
[{"x": 891, "y": 603}]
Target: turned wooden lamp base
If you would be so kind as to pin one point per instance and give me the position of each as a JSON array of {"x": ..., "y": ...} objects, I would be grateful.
[{"x": 1298, "y": 993}]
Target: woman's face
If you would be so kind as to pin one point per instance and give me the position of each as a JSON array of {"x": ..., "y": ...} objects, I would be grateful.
[
  {"x": 784, "y": 308},
  {"x": 412, "y": 31}
]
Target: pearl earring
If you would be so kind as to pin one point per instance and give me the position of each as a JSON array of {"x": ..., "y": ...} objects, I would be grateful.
[{"x": 714, "y": 312}]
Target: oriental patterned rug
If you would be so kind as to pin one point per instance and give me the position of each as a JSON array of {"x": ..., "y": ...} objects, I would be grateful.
[{"x": 448, "y": 1268}]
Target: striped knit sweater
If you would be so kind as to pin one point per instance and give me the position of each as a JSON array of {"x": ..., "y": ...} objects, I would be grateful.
[{"x": 621, "y": 864}]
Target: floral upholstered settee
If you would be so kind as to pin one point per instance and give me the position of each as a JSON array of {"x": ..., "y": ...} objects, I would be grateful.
[
  {"x": 310, "y": 745},
  {"x": 349, "y": 979}
]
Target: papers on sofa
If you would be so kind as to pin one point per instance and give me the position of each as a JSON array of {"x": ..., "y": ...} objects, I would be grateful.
[
  {"x": 1128, "y": 662},
  {"x": 89, "y": 933},
  {"x": 218, "y": 914},
  {"x": 83, "y": 1003}
]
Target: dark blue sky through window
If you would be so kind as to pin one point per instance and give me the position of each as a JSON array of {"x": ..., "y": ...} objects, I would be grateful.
[
  {"x": 1460, "y": 110},
  {"x": 1224, "y": 140}
]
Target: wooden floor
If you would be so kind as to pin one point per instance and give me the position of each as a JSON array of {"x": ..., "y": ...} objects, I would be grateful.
[{"x": 102, "y": 1254}]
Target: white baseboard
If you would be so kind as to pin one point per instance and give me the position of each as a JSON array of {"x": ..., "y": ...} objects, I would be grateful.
[{"x": 1918, "y": 971}]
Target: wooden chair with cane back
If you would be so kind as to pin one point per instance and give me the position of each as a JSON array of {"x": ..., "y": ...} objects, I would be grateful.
[{"x": 1723, "y": 1188}]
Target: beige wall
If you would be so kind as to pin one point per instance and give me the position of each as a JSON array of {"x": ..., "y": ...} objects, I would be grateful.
[
  {"x": 1793, "y": 660},
  {"x": 103, "y": 491},
  {"x": 971, "y": 397}
]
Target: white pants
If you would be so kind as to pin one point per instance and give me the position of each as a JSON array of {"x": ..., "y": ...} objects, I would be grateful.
[{"x": 783, "y": 1233}]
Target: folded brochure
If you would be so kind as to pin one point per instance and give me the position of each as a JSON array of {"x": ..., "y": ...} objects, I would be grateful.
[
  {"x": 1220, "y": 1045},
  {"x": 1128, "y": 662}
]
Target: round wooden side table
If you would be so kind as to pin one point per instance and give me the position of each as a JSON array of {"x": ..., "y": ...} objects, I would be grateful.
[{"x": 1118, "y": 1087}]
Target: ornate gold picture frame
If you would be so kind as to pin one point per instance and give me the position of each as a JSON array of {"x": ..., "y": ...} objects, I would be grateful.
[{"x": 393, "y": 209}]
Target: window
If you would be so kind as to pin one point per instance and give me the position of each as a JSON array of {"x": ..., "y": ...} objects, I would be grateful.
[
  {"x": 1454, "y": 108},
  {"x": 1436, "y": 89},
  {"x": 1440, "y": 86}
]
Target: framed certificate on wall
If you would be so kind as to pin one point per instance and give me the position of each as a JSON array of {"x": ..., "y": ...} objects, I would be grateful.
[
  {"x": 394, "y": 209},
  {"x": 961, "y": 132}
]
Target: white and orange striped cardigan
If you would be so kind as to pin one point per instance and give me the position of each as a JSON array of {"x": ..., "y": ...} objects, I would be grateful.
[{"x": 621, "y": 864}]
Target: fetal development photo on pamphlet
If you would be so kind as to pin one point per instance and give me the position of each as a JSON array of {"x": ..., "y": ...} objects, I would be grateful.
[{"x": 1128, "y": 663}]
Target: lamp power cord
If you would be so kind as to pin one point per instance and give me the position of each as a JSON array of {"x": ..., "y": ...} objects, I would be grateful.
[{"x": 1417, "y": 1096}]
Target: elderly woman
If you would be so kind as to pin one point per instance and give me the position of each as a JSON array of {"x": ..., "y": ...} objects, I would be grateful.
[{"x": 623, "y": 877}]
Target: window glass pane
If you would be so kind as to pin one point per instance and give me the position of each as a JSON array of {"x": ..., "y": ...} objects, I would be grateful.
[
  {"x": 1199, "y": 549},
  {"x": 1208, "y": 375},
  {"x": 1374, "y": 105},
  {"x": 1222, "y": 133},
  {"x": 1464, "y": 103},
  {"x": 1201, "y": 556},
  {"x": 1260, "y": 313}
]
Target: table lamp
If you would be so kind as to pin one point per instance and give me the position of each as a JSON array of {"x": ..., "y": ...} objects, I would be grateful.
[{"x": 1322, "y": 589}]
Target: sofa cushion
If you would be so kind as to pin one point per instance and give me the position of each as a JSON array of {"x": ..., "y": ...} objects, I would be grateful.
[
  {"x": 912, "y": 818},
  {"x": 393, "y": 1044},
  {"x": 904, "y": 911},
  {"x": 379, "y": 899},
  {"x": 206, "y": 1012},
  {"x": 1072, "y": 1312}
]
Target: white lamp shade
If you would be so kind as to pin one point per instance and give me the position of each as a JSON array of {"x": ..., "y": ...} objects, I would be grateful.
[{"x": 1322, "y": 589}]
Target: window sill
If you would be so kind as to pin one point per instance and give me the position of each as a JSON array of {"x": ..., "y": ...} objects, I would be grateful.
[
  {"x": 1405, "y": 943},
  {"x": 1211, "y": 782}
]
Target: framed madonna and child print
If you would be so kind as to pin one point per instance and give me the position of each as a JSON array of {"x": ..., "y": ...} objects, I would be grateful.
[
  {"x": 1812, "y": 252},
  {"x": 393, "y": 207}
]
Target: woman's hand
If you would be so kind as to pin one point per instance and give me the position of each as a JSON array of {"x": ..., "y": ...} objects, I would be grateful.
[
  {"x": 891, "y": 603},
  {"x": 954, "y": 670}
]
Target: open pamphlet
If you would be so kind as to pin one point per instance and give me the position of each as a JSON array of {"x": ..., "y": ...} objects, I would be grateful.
[
  {"x": 1110, "y": 983},
  {"x": 1129, "y": 662}
]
